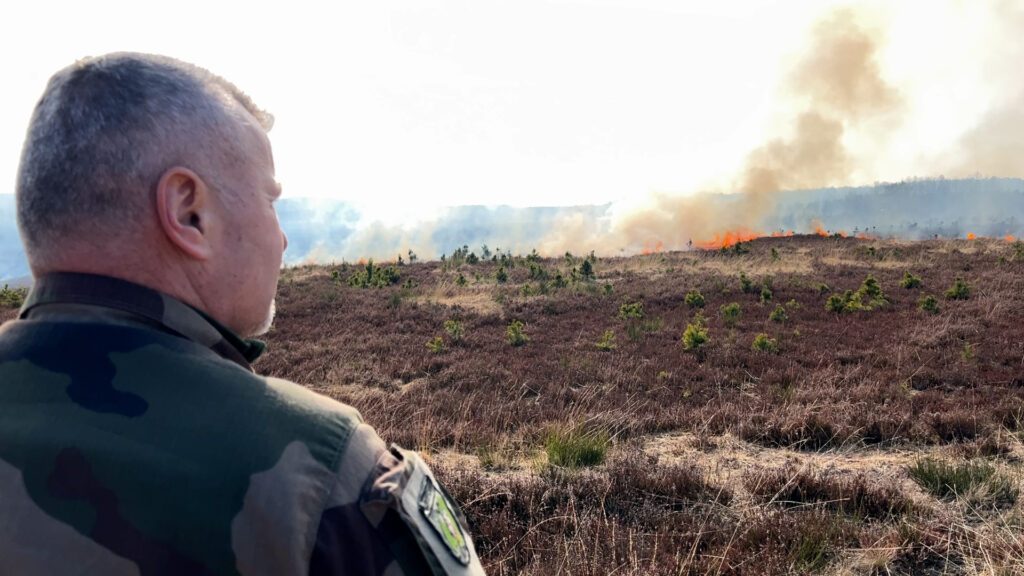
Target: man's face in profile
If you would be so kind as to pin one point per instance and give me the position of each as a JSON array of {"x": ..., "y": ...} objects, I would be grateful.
[{"x": 253, "y": 245}]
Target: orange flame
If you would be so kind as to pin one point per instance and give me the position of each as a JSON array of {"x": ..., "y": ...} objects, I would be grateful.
[
  {"x": 1009, "y": 238},
  {"x": 971, "y": 236},
  {"x": 361, "y": 262},
  {"x": 655, "y": 249},
  {"x": 819, "y": 229},
  {"x": 730, "y": 238}
]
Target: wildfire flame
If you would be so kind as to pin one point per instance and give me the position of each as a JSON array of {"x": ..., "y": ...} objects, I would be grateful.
[
  {"x": 971, "y": 236},
  {"x": 730, "y": 238},
  {"x": 656, "y": 248},
  {"x": 819, "y": 229},
  {"x": 1009, "y": 238},
  {"x": 733, "y": 237}
]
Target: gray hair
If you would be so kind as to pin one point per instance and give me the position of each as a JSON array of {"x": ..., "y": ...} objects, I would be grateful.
[{"x": 105, "y": 130}]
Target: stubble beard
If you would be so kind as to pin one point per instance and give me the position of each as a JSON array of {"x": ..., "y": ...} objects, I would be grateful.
[{"x": 264, "y": 326}]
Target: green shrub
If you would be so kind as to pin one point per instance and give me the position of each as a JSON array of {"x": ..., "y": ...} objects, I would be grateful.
[
  {"x": 587, "y": 270},
  {"x": 694, "y": 299},
  {"x": 775, "y": 254},
  {"x": 960, "y": 290},
  {"x": 631, "y": 310},
  {"x": 696, "y": 334},
  {"x": 455, "y": 330},
  {"x": 515, "y": 335},
  {"x": 872, "y": 292},
  {"x": 607, "y": 341},
  {"x": 779, "y": 314},
  {"x": 374, "y": 276},
  {"x": 575, "y": 448},
  {"x": 868, "y": 297},
  {"x": 967, "y": 353},
  {"x": 929, "y": 304},
  {"x": 12, "y": 297},
  {"x": 746, "y": 285},
  {"x": 910, "y": 281},
  {"x": 854, "y": 301},
  {"x": 835, "y": 303},
  {"x": 608, "y": 289},
  {"x": 461, "y": 280},
  {"x": 978, "y": 481},
  {"x": 436, "y": 345},
  {"x": 822, "y": 288},
  {"x": 730, "y": 313},
  {"x": 766, "y": 293},
  {"x": 501, "y": 275},
  {"x": 764, "y": 343}
]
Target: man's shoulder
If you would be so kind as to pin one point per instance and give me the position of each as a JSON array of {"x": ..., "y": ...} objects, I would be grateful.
[
  {"x": 194, "y": 448},
  {"x": 110, "y": 372}
]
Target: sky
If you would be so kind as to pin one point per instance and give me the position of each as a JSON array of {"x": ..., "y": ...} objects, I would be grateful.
[{"x": 407, "y": 105}]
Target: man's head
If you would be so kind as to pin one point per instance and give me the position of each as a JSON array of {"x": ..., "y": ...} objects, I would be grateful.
[{"x": 159, "y": 172}]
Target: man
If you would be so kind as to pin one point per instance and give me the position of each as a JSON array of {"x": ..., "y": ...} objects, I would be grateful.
[{"x": 134, "y": 436}]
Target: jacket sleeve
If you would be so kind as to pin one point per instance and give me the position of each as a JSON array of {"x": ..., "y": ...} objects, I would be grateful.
[{"x": 386, "y": 514}]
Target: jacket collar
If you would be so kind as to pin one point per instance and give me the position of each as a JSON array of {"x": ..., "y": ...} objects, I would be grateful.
[{"x": 148, "y": 305}]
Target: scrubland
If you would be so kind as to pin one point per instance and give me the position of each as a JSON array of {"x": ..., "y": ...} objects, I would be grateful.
[{"x": 811, "y": 420}]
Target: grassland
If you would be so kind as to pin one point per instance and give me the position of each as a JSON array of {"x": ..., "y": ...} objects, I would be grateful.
[{"x": 873, "y": 438}]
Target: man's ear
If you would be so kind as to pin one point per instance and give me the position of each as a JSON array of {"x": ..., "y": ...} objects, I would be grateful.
[{"x": 183, "y": 206}]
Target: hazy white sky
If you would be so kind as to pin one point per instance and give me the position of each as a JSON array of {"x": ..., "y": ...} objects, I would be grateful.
[{"x": 417, "y": 103}]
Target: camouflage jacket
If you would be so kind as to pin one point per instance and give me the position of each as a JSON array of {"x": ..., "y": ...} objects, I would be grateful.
[{"x": 136, "y": 439}]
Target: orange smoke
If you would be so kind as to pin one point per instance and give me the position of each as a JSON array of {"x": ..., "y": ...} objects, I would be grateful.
[
  {"x": 971, "y": 236},
  {"x": 730, "y": 238}
]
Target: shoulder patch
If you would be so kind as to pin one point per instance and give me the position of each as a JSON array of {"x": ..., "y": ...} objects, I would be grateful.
[
  {"x": 433, "y": 518},
  {"x": 439, "y": 512}
]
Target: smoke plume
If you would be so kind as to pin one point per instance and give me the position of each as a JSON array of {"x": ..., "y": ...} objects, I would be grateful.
[
  {"x": 834, "y": 94},
  {"x": 838, "y": 88},
  {"x": 995, "y": 146}
]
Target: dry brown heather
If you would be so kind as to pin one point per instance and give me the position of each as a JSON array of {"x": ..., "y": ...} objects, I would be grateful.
[{"x": 722, "y": 461}]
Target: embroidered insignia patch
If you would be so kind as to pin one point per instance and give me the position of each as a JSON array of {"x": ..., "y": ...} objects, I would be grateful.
[{"x": 440, "y": 513}]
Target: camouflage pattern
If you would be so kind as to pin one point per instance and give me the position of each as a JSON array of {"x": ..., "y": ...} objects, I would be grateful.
[{"x": 136, "y": 439}]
